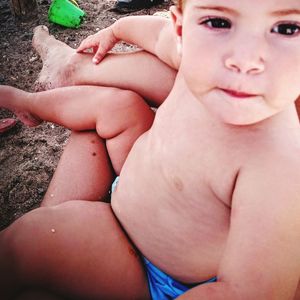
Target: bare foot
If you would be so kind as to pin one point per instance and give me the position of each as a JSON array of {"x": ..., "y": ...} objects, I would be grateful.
[
  {"x": 15, "y": 100},
  {"x": 55, "y": 55}
]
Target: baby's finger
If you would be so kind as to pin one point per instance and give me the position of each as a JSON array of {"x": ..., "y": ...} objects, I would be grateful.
[
  {"x": 81, "y": 46},
  {"x": 102, "y": 50},
  {"x": 98, "y": 57},
  {"x": 86, "y": 44}
]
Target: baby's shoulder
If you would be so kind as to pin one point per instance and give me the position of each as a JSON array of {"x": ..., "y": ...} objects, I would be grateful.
[
  {"x": 274, "y": 175},
  {"x": 276, "y": 150},
  {"x": 277, "y": 158}
]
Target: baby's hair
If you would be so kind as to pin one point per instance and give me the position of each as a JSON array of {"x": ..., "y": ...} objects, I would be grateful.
[{"x": 179, "y": 3}]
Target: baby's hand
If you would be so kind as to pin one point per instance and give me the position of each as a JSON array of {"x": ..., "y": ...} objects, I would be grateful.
[{"x": 100, "y": 43}]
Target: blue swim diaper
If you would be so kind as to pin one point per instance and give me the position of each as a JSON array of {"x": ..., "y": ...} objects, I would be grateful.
[
  {"x": 164, "y": 287},
  {"x": 115, "y": 183}
]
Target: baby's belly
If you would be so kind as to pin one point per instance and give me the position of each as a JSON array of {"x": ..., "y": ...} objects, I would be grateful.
[{"x": 180, "y": 237}]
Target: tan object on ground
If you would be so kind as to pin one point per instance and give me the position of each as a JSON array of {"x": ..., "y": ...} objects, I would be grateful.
[{"x": 6, "y": 124}]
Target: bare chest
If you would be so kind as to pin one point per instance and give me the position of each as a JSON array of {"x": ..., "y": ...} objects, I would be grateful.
[
  {"x": 196, "y": 158},
  {"x": 175, "y": 189}
]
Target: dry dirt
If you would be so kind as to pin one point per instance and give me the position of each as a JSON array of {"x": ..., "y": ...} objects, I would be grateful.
[{"x": 28, "y": 157}]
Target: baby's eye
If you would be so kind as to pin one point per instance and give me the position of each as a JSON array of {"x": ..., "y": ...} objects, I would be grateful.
[
  {"x": 286, "y": 29},
  {"x": 218, "y": 23}
]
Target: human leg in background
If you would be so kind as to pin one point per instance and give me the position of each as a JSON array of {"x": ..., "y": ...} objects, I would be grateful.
[
  {"x": 66, "y": 182},
  {"x": 136, "y": 71},
  {"x": 75, "y": 249}
]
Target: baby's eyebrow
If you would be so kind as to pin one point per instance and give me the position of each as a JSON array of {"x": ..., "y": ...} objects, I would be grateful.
[
  {"x": 278, "y": 13},
  {"x": 219, "y": 8},
  {"x": 285, "y": 12}
]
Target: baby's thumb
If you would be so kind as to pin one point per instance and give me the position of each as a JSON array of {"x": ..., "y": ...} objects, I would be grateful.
[
  {"x": 81, "y": 47},
  {"x": 86, "y": 44}
]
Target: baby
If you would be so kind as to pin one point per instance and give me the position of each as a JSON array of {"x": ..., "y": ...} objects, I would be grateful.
[{"x": 207, "y": 196}]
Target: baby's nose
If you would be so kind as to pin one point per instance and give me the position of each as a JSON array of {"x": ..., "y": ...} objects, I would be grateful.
[
  {"x": 251, "y": 66},
  {"x": 246, "y": 55}
]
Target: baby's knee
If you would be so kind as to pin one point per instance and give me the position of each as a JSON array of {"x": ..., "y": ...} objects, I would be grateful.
[
  {"x": 125, "y": 111},
  {"x": 138, "y": 112}
]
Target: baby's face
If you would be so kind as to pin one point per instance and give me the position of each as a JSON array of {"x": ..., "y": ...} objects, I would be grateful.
[{"x": 241, "y": 58}]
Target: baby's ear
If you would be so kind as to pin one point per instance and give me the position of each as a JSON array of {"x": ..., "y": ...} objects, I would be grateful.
[{"x": 176, "y": 16}]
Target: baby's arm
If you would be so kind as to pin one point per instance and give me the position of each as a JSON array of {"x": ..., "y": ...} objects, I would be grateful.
[
  {"x": 152, "y": 33},
  {"x": 262, "y": 255}
]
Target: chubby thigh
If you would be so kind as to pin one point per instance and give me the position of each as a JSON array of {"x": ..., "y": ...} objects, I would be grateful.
[{"x": 77, "y": 249}]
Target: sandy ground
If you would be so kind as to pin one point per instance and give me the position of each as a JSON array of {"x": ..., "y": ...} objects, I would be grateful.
[{"x": 28, "y": 157}]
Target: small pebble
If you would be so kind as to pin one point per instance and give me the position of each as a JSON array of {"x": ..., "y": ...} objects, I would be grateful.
[{"x": 32, "y": 59}]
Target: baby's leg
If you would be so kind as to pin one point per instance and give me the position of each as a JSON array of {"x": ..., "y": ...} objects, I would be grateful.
[
  {"x": 140, "y": 72},
  {"x": 76, "y": 249},
  {"x": 119, "y": 117}
]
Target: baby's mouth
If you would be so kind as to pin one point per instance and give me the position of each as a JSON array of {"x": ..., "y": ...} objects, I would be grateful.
[{"x": 237, "y": 94}]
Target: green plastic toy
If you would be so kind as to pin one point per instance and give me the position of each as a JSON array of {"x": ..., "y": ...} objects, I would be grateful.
[{"x": 66, "y": 13}]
